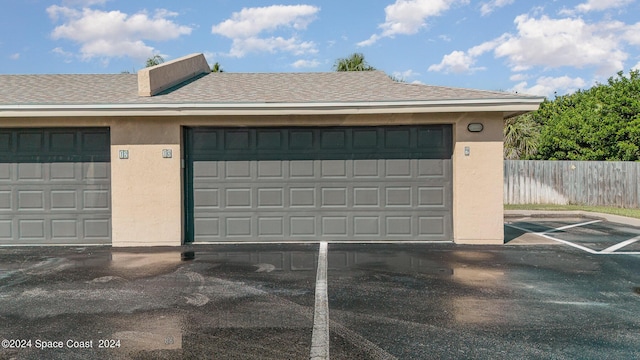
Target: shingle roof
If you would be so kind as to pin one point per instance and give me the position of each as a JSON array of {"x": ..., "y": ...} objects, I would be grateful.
[{"x": 230, "y": 88}]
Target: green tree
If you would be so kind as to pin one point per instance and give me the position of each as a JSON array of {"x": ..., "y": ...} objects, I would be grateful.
[
  {"x": 154, "y": 60},
  {"x": 602, "y": 123},
  {"x": 521, "y": 137},
  {"x": 216, "y": 67},
  {"x": 354, "y": 62}
]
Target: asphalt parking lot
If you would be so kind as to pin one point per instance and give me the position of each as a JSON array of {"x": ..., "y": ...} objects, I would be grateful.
[{"x": 534, "y": 298}]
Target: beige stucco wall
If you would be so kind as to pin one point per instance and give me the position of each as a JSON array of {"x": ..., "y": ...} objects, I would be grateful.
[
  {"x": 147, "y": 189},
  {"x": 477, "y": 181}
]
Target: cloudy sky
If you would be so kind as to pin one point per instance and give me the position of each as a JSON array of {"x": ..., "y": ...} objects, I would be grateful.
[{"x": 538, "y": 47}]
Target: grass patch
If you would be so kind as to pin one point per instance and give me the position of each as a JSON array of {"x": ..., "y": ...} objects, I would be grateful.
[{"x": 634, "y": 213}]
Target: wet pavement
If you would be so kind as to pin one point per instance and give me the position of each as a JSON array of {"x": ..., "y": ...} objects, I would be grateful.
[{"x": 385, "y": 301}]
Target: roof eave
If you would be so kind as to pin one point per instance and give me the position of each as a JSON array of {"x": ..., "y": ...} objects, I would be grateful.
[{"x": 506, "y": 106}]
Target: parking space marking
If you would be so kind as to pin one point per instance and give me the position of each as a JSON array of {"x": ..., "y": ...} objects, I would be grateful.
[
  {"x": 608, "y": 251},
  {"x": 572, "y": 226},
  {"x": 620, "y": 245},
  {"x": 583, "y": 248},
  {"x": 320, "y": 335}
]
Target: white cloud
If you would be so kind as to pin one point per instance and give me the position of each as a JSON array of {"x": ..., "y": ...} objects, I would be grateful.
[
  {"x": 457, "y": 62},
  {"x": 546, "y": 86},
  {"x": 564, "y": 42},
  {"x": 489, "y": 7},
  {"x": 407, "y": 17},
  {"x": 300, "y": 64},
  {"x": 113, "y": 33},
  {"x": 241, "y": 47},
  {"x": 551, "y": 43},
  {"x": 519, "y": 77},
  {"x": 637, "y": 67},
  {"x": 244, "y": 28},
  {"x": 407, "y": 74},
  {"x": 632, "y": 34},
  {"x": 67, "y": 56},
  {"x": 15, "y": 56},
  {"x": 600, "y": 5},
  {"x": 84, "y": 3}
]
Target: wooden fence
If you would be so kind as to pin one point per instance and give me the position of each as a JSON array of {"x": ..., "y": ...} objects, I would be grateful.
[{"x": 597, "y": 183}]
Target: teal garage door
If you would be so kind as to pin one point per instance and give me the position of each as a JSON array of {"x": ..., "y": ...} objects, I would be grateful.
[
  {"x": 317, "y": 184},
  {"x": 55, "y": 186}
]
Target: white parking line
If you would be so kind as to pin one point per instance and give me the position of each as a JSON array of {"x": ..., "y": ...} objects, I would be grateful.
[
  {"x": 320, "y": 335},
  {"x": 583, "y": 248},
  {"x": 608, "y": 251},
  {"x": 620, "y": 245},
  {"x": 572, "y": 226}
]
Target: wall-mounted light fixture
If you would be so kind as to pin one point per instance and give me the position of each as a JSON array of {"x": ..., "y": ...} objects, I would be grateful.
[{"x": 475, "y": 127}]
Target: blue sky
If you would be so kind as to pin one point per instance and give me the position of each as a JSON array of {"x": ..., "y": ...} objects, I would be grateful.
[{"x": 534, "y": 47}]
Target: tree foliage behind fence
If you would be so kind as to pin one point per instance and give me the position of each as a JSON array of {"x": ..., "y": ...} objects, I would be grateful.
[{"x": 595, "y": 183}]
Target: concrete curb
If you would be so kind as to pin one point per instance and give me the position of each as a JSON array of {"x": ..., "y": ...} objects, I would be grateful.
[{"x": 563, "y": 213}]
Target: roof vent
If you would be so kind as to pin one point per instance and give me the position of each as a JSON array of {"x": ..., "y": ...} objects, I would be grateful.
[{"x": 156, "y": 79}]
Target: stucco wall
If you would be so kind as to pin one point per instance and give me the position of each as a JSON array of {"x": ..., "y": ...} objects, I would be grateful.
[
  {"x": 477, "y": 188},
  {"x": 147, "y": 190}
]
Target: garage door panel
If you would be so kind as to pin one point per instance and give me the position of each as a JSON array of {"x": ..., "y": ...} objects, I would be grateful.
[
  {"x": 238, "y": 226},
  {"x": 64, "y": 229},
  {"x": 95, "y": 199},
  {"x": 366, "y": 168},
  {"x": 271, "y": 197},
  {"x": 30, "y": 200},
  {"x": 334, "y": 194},
  {"x": 302, "y": 197},
  {"x": 398, "y": 168},
  {"x": 237, "y": 170},
  {"x": 332, "y": 197},
  {"x": 398, "y": 197},
  {"x": 302, "y": 169},
  {"x": 5, "y": 201},
  {"x": 238, "y": 198},
  {"x": 30, "y": 171},
  {"x": 97, "y": 229},
  {"x": 433, "y": 168},
  {"x": 368, "y": 226},
  {"x": 203, "y": 170},
  {"x": 270, "y": 169},
  {"x": 366, "y": 197},
  {"x": 64, "y": 200},
  {"x": 207, "y": 228},
  {"x": 55, "y": 186},
  {"x": 332, "y": 169},
  {"x": 5, "y": 172},
  {"x": 96, "y": 171},
  {"x": 432, "y": 225},
  {"x": 302, "y": 227},
  {"x": 61, "y": 172},
  {"x": 432, "y": 197},
  {"x": 206, "y": 198},
  {"x": 6, "y": 231}
]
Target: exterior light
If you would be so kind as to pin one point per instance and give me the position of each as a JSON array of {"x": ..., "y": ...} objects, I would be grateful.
[{"x": 475, "y": 127}]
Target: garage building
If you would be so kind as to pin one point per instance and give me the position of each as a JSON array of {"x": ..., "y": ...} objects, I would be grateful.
[{"x": 175, "y": 154}]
